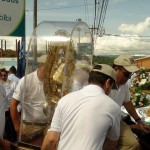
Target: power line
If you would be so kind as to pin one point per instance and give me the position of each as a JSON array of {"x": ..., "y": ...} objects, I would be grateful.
[
  {"x": 86, "y": 11},
  {"x": 102, "y": 17},
  {"x": 99, "y": 17},
  {"x": 95, "y": 15},
  {"x": 61, "y": 7}
]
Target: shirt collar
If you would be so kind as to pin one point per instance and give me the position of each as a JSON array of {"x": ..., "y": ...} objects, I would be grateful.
[{"x": 92, "y": 90}]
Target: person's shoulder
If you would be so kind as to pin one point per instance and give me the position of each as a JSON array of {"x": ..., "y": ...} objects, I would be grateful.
[
  {"x": 16, "y": 78},
  {"x": 70, "y": 96},
  {"x": 126, "y": 85},
  {"x": 124, "y": 88},
  {"x": 21, "y": 81},
  {"x": 31, "y": 75},
  {"x": 112, "y": 103}
]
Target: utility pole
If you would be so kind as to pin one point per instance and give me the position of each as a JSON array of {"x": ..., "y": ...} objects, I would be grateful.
[
  {"x": 95, "y": 15},
  {"x": 35, "y": 14},
  {"x": 34, "y": 26}
]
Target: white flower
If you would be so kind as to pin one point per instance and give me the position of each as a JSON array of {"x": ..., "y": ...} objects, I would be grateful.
[
  {"x": 143, "y": 81},
  {"x": 140, "y": 104},
  {"x": 137, "y": 94}
]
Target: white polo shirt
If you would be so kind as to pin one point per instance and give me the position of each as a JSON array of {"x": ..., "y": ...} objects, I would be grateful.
[
  {"x": 85, "y": 118},
  {"x": 34, "y": 99},
  {"x": 121, "y": 95},
  {"x": 2, "y": 110},
  {"x": 13, "y": 78}
]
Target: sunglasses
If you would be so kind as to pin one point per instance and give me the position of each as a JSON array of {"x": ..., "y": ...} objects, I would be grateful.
[
  {"x": 4, "y": 75},
  {"x": 126, "y": 73}
]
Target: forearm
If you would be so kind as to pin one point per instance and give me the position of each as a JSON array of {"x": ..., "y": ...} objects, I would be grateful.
[
  {"x": 15, "y": 115},
  {"x": 131, "y": 109},
  {"x": 49, "y": 146},
  {"x": 50, "y": 141}
]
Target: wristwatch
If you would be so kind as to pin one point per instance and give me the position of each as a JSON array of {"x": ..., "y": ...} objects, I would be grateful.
[{"x": 138, "y": 120}]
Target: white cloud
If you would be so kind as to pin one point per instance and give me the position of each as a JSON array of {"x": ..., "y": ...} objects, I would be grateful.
[
  {"x": 110, "y": 45},
  {"x": 136, "y": 29},
  {"x": 130, "y": 43}
]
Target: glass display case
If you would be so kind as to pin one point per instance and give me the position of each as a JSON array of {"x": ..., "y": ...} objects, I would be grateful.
[{"x": 61, "y": 45}]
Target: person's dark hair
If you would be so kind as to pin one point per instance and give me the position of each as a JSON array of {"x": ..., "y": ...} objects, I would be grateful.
[
  {"x": 98, "y": 77},
  {"x": 3, "y": 70},
  {"x": 13, "y": 70},
  {"x": 119, "y": 67}
]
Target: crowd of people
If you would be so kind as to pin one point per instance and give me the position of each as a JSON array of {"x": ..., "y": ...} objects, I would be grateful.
[
  {"x": 8, "y": 83},
  {"x": 88, "y": 118}
]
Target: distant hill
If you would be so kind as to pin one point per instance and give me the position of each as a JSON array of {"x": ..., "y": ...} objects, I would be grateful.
[{"x": 107, "y": 59}]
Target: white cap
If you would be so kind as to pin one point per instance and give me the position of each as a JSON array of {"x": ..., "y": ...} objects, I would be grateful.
[
  {"x": 106, "y": 69},
  {"x": 127, "y": 62}
]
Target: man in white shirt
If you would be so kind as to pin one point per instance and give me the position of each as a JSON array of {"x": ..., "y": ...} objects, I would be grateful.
[
  {"x": 9, "y": 86},
  {"x": 2, "y": 110},
  {"x": 12, "y": 74},
  {"x": 124, "y": 66},
  {"x": 85, "y": 118},
  {"x": 31, "y": 86},
  {"x": 4, "y": 144}
]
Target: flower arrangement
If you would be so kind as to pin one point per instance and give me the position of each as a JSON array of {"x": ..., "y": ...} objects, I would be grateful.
[
  {"x": 144, "y": 79},
  {"x": 140, "y": 88}
]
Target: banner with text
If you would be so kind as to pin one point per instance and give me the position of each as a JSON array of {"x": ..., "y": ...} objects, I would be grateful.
[{"x": 12, "y": 18}]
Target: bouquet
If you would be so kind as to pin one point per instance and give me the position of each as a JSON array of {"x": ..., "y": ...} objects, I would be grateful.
[{"x": 139, "y": 84}]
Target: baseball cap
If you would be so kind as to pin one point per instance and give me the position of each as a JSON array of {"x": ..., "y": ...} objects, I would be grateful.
[
  {"x": 42, "y": 59},
  {"x": 106, "y": 69},
  {"x": 83, "y": 65},
  {"x": 127, "y": 62}
]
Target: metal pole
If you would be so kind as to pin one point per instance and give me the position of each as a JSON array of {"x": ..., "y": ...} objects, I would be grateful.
[
  {"x": 35, "y": 14},
  {"x": 34, "y": 26},
  {"x": 1, "y": 48},
  {"x": 5, "y": 45}
]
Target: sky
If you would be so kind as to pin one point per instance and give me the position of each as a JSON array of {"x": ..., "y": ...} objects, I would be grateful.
[{"x": 126, "y": 24}]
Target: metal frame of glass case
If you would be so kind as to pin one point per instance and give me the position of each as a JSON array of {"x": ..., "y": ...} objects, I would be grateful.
[{"x": 65, "y": 43}]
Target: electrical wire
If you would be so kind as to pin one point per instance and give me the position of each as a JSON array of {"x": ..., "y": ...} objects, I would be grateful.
[
  {"x": 102, "y": 17},
  {"x": 86, "y": 11},
  {"x": 48, "y": 9}
]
